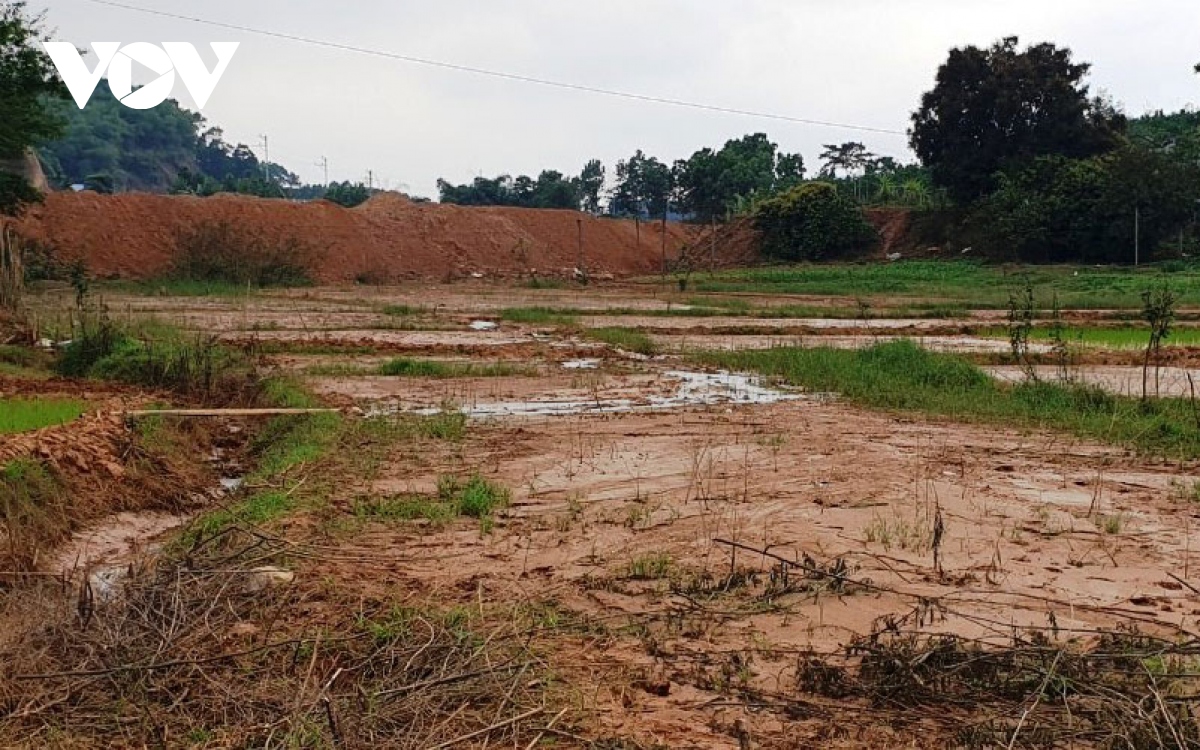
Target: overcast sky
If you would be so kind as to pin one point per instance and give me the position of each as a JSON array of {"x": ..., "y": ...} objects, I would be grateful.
[{"x": 863, "y": 62}]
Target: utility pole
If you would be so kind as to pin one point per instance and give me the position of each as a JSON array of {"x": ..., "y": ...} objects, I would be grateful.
[
  {"x": 579, "y": 263},
  {"x": 666, "y": 210},
  {"x": 1137, "y": 236},
  {"x": 712, "y": 248},
  {"x": 370, "y": 179},
  {"x": 324, "y": 164},
  {"x": 266, "y": 147}
]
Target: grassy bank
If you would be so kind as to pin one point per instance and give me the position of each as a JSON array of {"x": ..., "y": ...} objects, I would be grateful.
[
  {"x": 981, "y": 286},
  {"x": 903, "y": 377},
  {"x": 300, "y": 460}
]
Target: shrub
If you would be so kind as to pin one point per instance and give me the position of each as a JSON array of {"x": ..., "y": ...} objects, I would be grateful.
[
  {"x": 813, "y": 222},
  {"x": 222, "y": 252},
  {"x": 162, "y": 358}
]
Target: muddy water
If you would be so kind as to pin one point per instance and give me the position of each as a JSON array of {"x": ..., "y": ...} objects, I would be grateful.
[
  {"x": 115, "y": 541},
  {"x": 691, "y": 389}
]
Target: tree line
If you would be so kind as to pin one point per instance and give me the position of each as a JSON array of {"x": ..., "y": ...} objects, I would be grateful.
[
  {"x": 710, "y": 185},
  {"x": 1016, "y": 158}
]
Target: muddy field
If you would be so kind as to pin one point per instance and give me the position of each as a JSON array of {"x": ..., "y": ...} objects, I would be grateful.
[{"x": 728, "y": 529}]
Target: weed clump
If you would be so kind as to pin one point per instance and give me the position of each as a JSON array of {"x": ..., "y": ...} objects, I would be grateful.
[
  {"x": 155, "y": 357},
  {"x": 220, "y": 251}
]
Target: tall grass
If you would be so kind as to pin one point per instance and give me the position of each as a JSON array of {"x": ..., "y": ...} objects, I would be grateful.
[
  {"x": 22, "y": 415},
  {"x": 156, "y": 356},
  {"x": 902, "y": 376}
]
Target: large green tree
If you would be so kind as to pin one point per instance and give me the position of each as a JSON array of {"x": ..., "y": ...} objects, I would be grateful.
[
  {"x": 998, "y": 108},
  {"x": 644, "y": 186},
  {"x": 845, "y": 159},
  {"x": 591, "y": 186},
  {"x": 711, "y": 183},
  {"x": 27, "y": 80}
]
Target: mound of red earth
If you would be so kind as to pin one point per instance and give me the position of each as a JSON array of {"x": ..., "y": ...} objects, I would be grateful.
[{"x": 389, "y": 238}]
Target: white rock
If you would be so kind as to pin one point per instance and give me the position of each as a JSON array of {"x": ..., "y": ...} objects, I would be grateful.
[{"x": 268, "y": 577}]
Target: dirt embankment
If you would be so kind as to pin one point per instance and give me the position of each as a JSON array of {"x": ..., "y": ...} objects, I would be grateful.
[{"x": 387, "y": 239}]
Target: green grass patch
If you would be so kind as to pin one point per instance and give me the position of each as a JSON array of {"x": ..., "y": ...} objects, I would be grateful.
[
  {"x": 902, "y": 376},
  {"x": 22, "y": 415},
  {"x": 652, "y": 567},
  {"x": 408, "y": 367},
  {"x": 474, "y": 497},
  {"x": 629, "y": 339},
  {"x": 1112, "y": 338},
  {"x": 286, "y": 393},
  {"x": 969, "y": 283},
  {"x": 541, "y": 316}
]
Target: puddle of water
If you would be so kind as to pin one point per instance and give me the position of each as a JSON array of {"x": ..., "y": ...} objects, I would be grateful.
[
  {"x": 695, "y": 389},
  {"x": 483, "y": 325},
  {"x": 582, "y": 364},
  {"x": 704, "y": 388},
  {"x": 117, "y": 538}
]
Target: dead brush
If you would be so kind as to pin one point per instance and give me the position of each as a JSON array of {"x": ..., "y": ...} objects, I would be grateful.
[
  {"x": 1127, "y": 690},
  {"x": 198, "y": 650}
]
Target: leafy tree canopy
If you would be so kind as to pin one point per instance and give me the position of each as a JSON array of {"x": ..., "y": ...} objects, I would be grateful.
[
  {"x": 813, "y": 222},
  {"x": 998, "y": 108},
  {"x": 27, "y": 81},
  {"x": 1058, "y": 209},
  {"x": 711, "y": 183}
]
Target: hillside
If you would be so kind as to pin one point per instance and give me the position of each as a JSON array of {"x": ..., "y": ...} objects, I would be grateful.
[{"x": 389, "y": 238}]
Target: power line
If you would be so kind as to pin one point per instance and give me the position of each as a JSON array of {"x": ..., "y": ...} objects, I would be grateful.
[{"x": 501, "y": 74}]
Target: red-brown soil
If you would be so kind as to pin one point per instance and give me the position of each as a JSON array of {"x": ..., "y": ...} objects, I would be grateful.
[{"x": 387, "y": 238}]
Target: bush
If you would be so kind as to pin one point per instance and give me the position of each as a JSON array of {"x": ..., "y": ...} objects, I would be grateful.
[
  {"x": 221, "y": 252},
  {"x": 813, "y": 222},
  {"x": 163, "y": 358}
]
